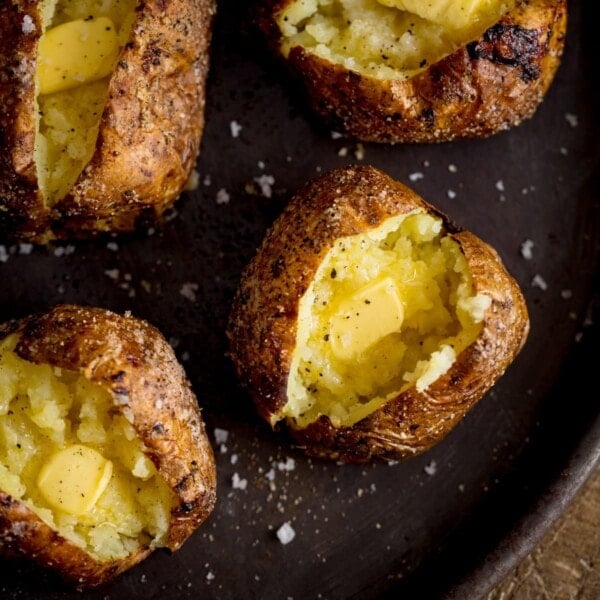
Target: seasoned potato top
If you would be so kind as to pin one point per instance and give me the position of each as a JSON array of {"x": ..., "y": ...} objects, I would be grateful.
[
  {"x": 70, "y": 455},
  {"x": 387, "y": 39},
  {"x": 77, "y": 54},
  {"x": 388, "y": 309}
]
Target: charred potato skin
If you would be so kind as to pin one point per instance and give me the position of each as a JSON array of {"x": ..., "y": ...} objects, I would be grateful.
[
  {"x": 489, "y": 85},
  {"x": 149, "y": 135},
  {"x": 263, "y": 321},
  {"x": 132, "y": 360}
]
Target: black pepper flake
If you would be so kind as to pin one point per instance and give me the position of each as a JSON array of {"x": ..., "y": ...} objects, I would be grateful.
[{"x": 333, "y": 274}]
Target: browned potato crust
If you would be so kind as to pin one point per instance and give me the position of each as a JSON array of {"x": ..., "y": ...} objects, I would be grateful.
[
  {"x": 149, "y": 134},
  {"x": 264, "y": 326},
  {"x": 489, "y": 85},
  {"x": 133, "y": 362}
]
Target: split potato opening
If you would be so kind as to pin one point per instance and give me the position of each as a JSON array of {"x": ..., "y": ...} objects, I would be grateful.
[
  {"x": 386, "y": 39},
  {"x": 388, "y": 309},
  {"x": 76, "y": 461},
  {"x": 77, "y": 54}
]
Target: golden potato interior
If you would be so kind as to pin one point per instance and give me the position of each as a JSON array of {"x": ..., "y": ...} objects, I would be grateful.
[
  {"x": 386, "y": 39},
  {"x": 75, "y": 460},
  {"x": 77, "y": 53},
  {"x": 387, "y": 310}
]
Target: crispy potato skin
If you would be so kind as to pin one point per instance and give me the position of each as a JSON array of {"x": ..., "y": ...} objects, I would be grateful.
[
  {"x": 149, "y": 135},
  {"x": 263, "y": 321},
  {"x": 133, "y": 361},
  {"x": 489, "y": 85}
]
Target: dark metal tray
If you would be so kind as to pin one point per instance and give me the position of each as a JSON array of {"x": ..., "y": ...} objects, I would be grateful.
[{"x": 449, "y": 523}]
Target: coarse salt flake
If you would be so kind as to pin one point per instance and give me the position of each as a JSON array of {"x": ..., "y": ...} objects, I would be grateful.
[
  {"x": 452, "y": 168},
  {"x": 28, "y": 26},
  {"x": 526, "y": 249},
  {"x": 237, "y": 483},
  {"x": 188, "y": 290},
  {"x": 288, "y": 465},
  {"x": 539, "y": 282},
  {"x": 500, "y": 185},
  {"x": 431, "y": 468},
  {"x": 235, "y": 129},
  {"x": 265, "y": 183},
  {"x": 223, "y": 196},
  {"x": 286, "y": 533},
  {"x": 451, "y": 194},
  {"x": 221, "y": 435},
  {"x": 572, "y": 119},
  {"x": 112, "y": 273},
  {"x": 566, "y": 294},
  {"x": 3, "y": 254},
  {"x": 416, "y": 176},
  {"x": 359, "y": 152}
]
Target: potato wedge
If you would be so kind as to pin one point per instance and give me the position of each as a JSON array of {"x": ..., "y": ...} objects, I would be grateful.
[
  {"x": 104, "y": 454},
  {"x": 409, "y": 71},
  {"x": 367, "y": 324}
]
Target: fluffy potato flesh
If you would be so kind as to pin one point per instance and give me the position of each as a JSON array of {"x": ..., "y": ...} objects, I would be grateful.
[
  {"x": 77, "y": 53},
  {"x": 388, "y": 309},
  {"x": 75, "y": 460},
  {"x": 387, "y": 39}
]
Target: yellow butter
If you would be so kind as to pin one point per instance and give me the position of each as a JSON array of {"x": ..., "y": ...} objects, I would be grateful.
[
  {"x": 457, "y": 14},
  {"x": 74, "y": 478},
  {"x": 75, "y": 53},
  {"x": 371, "y": 313}
]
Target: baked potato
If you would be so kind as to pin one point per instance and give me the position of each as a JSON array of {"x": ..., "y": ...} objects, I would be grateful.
[
  {"x": 367, "y": 323},
  {"x": 413, "y": 71},
  {"x": 101, "y": 112},
  {"x": 103, "y": 451}
]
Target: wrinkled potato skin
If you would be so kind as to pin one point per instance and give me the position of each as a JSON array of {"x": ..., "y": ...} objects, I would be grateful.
[
  {"x": 149, "y": 134},
  {"x": 264, "y": 314},
  {"x": 132, "y": 360},
  {"x": 489, "y": 85}
]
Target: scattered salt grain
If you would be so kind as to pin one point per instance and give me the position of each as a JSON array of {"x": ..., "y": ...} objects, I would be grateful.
[
  {"x": 112, "y": 274},
  {"x": 221, "y": 435},
  {"x": 416, "y": 176},
  {"x": 188, "y": 290},
  {"x": 3, "y": 254},
  {"x": 235, "y": 129},
  {"x": 526, "y": 249},
  {"x": 451, "y": 194},
  {"x": 270, "y": 475},
  {"x": 234, "y": 459},
  {"x": 25, "y": 248},
  {"x": 572, "y": 119},
  {"x": 343, "y": 151},
  {"x": 286, "y": 533},
  {"x": 539, "y": 282},
  {"x": 500, "y": 185},
  {"x": 113, "y": 246},
  {"x": 563, "y": 151},
  {"x": 28, "y": 26},
  {"x": 210, "y": 576},
  {"x": 359, "y": 153},
  {"x": 207, "y": 180},
  {"x": 222, "y": 196},
  {"x": 261, "y": 164},
  {"x": 336, "y": 136},
  {"x": 265, "y": 182},
  {"x": 461, "y": 487},
  {"x": 288, "y": 465},
  {"x": 237, "y": 483},
  {"x": 566, "y": 294},
  {"x": 578, "y": 336},
  {"x": 431, "y": 468},
  {"x": 452, "y": 168}
]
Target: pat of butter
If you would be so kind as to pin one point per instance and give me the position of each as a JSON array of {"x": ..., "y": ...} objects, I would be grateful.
[
  {"x": 74, "y": 478},
  {"x": 371, "y": 313},
  {"x": 443, "y": 12},
  {"x": 75, "y": 53}
]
